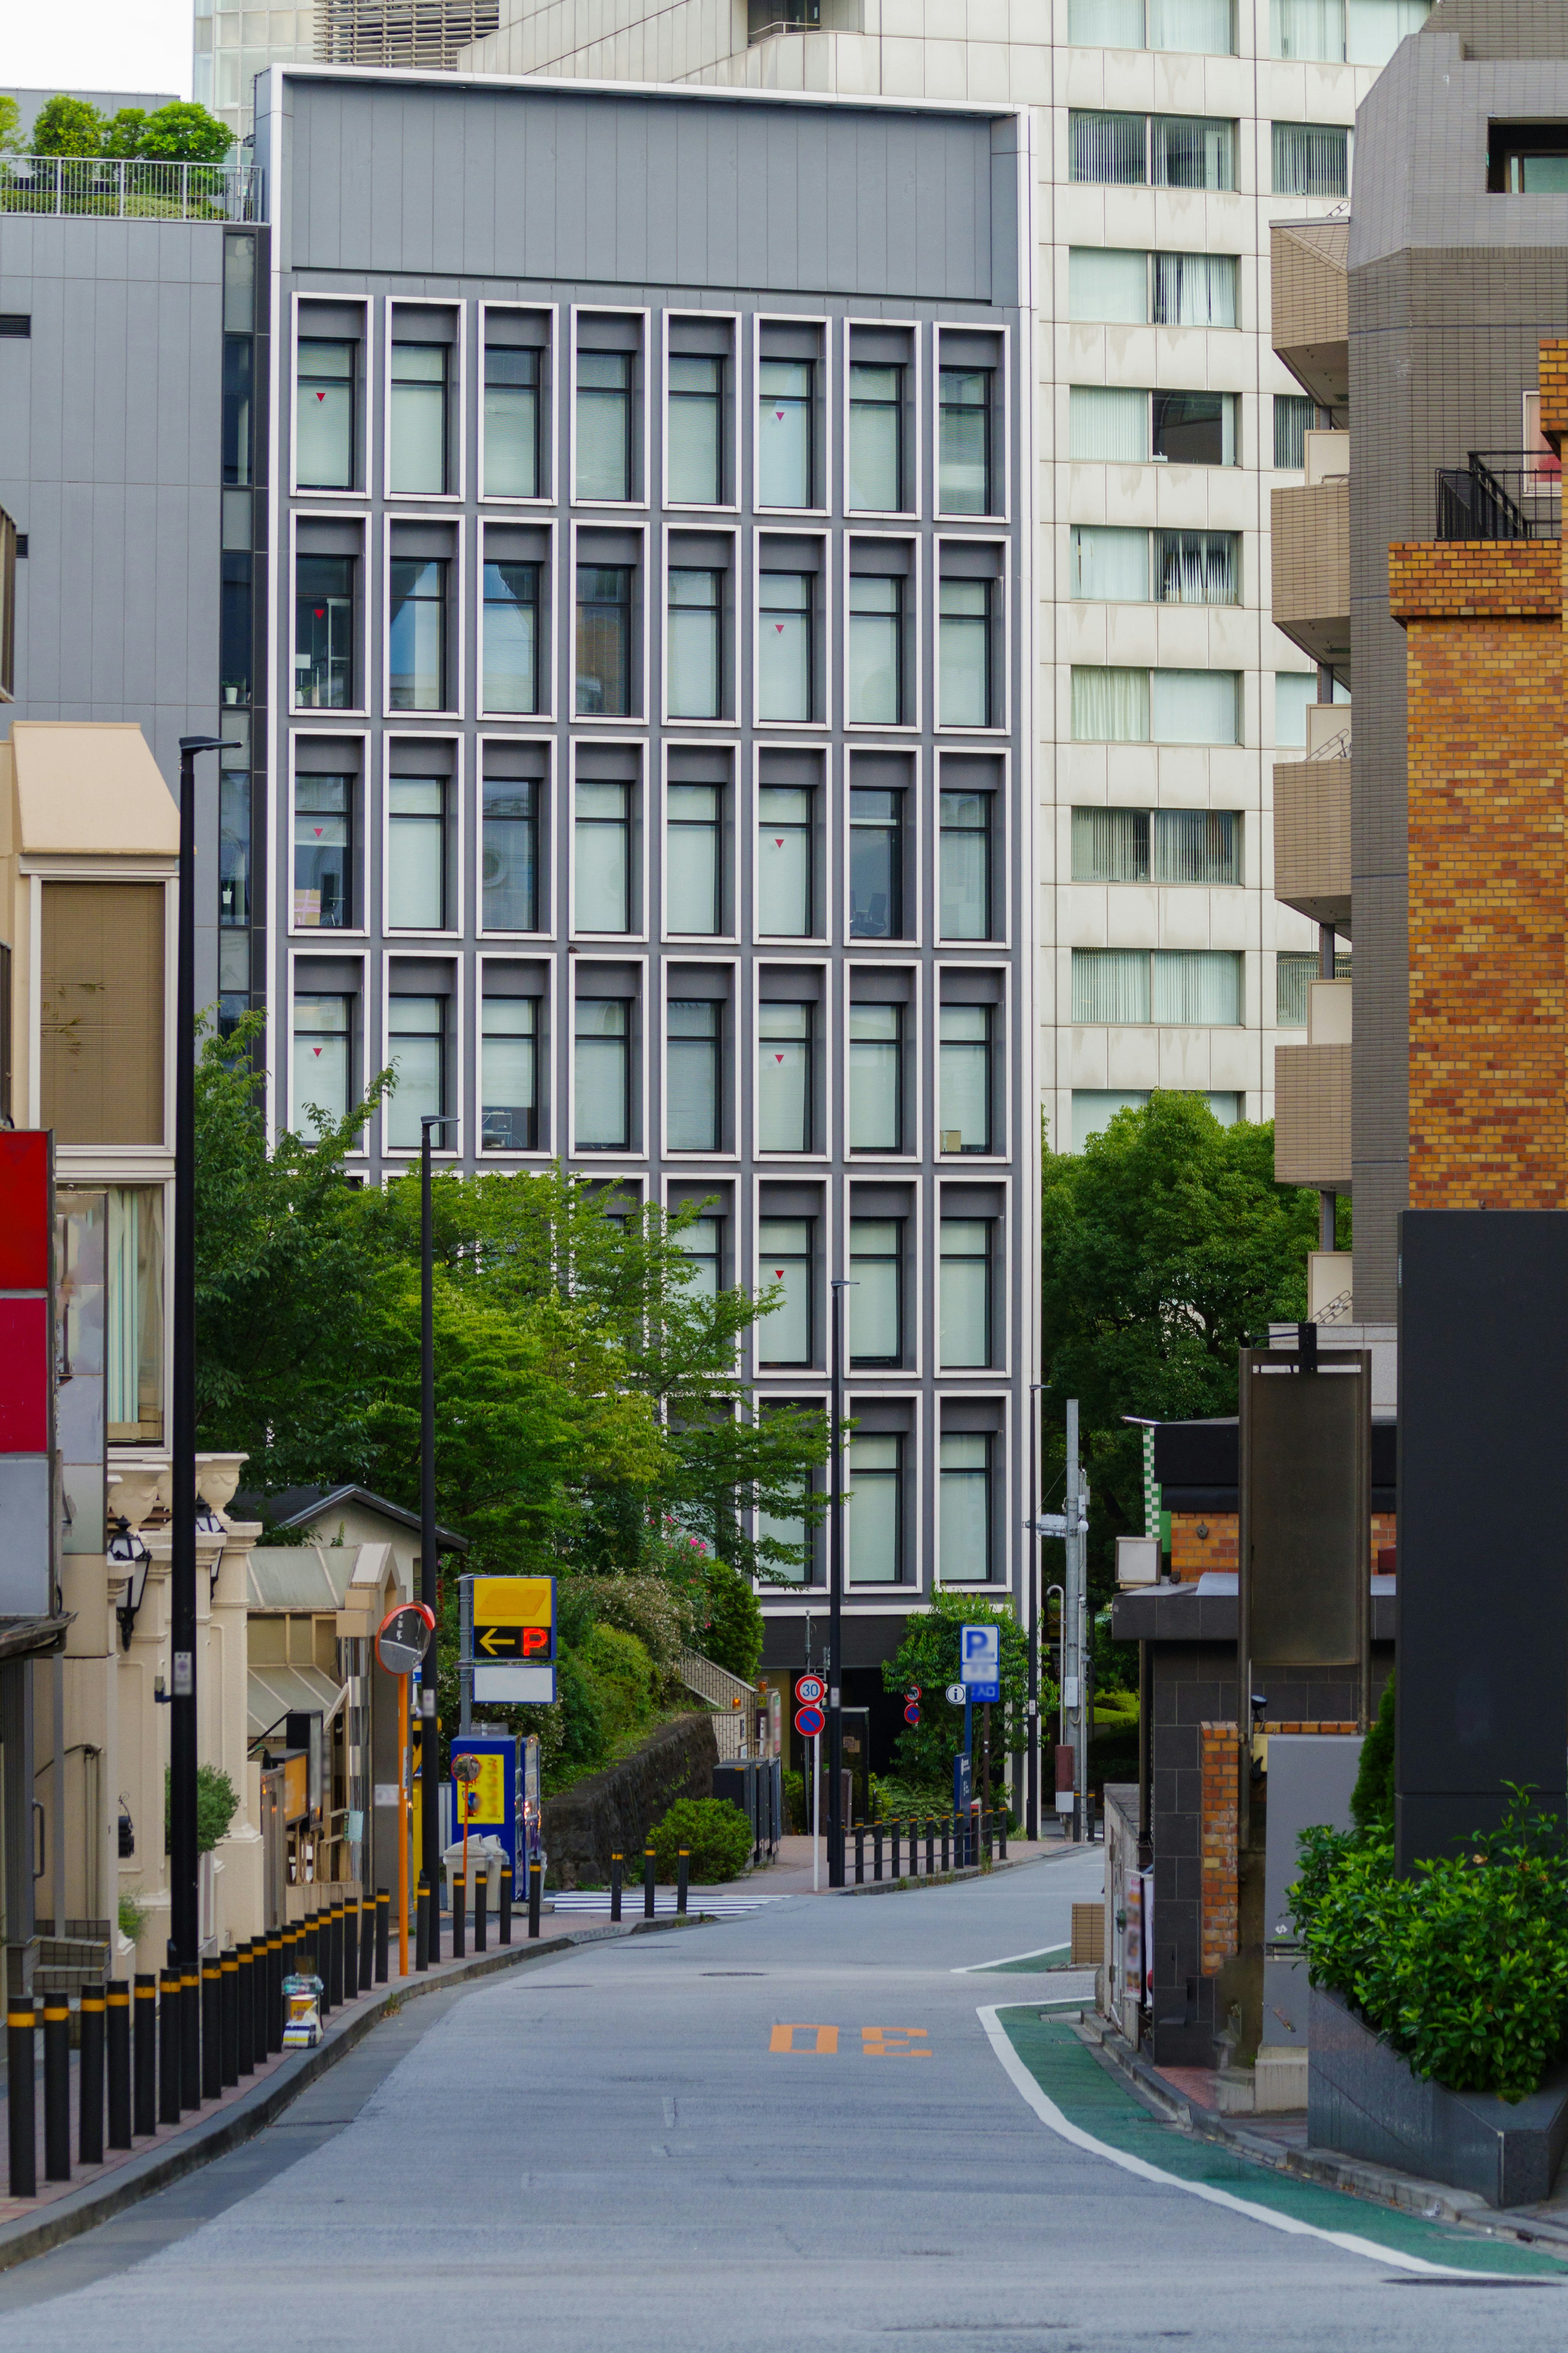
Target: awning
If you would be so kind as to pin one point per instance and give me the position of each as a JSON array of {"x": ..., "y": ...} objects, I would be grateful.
[{"x": 274, "y": 1691}]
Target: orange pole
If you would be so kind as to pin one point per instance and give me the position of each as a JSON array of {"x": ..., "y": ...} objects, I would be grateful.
[{"x": 402, "y": 1826}]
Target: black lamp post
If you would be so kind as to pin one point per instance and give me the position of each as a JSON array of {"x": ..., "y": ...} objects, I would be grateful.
[
  {"x": 185, "y": 1864},
  {"x": 835, "y": 1603},
  {"x": 430, "y": 1780}
]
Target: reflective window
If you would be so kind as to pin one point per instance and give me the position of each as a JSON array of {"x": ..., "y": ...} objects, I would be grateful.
[
  {"x": 694, "y": 466},
  {"x": 876, "y": 1077},
  {"x": 234, "y": 847},
  {"x": 692, "y": 1075},
  {"x": 418, "y": 417},
  {"x": 511, "y": 636},
  {"x": 876, "y": 1302},
  {"x": 603, "y": 1065},
  {"x": 695, "y": 631},
  {"x": 874, "y": 670},
  {"x": 604, "y": 856},
  {"x": 323, "y": 1044},
  {"x": 963, "y": 910},
  {"x": 323, "y": 632},
  {"x": 416, "y": 857},
  {"x": 509, "y": 855},
  {"x": 512, "y": 419},
  {"x": 702, "y": 1241},
  {"x": 325, "y": 414},
  {"x": 417, "y": 639},
  {"x": 875, "y": 439},
  {"x": 965, "y": 1529},
  {"x": 416, "y": 1047},
  {"x": 873, "y": 1526},
  {"x": 603, "y": 640},
  {"x": 508, "y": 1074},
  {"x": 783, "y": 861},
  {"x": 964, "y": 1053},
  {"x": 783, "y": 1078},
  {"x": 605, "y": 425},
  {"x": 692, "y": 869},
  {"x": 784, "y": 1258},
  {"x": 963, "y": 441},
  {"x": 965, "y": 1306},
  {"x": 965, "y": 653},
  {"x": 783, "y": 433},
  {"x": 323, "y": 849},
  {"x": 875, "y": 864},
  {"x": 784, "y": 646}
]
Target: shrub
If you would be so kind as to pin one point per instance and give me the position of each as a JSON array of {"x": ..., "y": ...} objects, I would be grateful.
[
  {"x": 217, "y": 1803},
  {"x": 716, "y": 1833},
  {"x": 794, "y": 1803},
  {"x": 1372, "y": 1799},
  {"x": 132, "y": 1918},
  {"x": 621, "y": 1668},
  {"x": 68, "y": 126}
]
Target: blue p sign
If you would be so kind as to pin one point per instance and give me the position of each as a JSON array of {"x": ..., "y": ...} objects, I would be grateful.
[{"x": 980, "y": 1654}]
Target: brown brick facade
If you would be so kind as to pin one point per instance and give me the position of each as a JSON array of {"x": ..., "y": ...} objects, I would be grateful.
[
  {"x": 1191, "y": 1555},
  {"x": 1218, "y": 1832},
  {"x": 1553, "y": 383}
]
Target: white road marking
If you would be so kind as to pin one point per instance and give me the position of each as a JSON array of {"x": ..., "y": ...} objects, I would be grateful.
[{"x": 971, "y": 1968}]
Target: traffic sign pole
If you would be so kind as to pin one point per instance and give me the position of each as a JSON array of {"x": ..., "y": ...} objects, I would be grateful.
[{"x": 836, "y": 1607}]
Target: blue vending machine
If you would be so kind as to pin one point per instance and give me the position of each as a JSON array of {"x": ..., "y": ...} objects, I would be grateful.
[{"x": 491, "y": 1804}]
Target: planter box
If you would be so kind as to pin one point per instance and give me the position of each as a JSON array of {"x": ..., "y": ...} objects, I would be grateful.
[{"x": 1365, "y": 2100}]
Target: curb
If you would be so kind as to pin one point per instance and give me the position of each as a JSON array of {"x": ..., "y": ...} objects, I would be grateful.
[
  {"x": 943, "y": 1878},
  {"x": 155, "y": 2169},
  {"x": 1431, "y": 2201}
]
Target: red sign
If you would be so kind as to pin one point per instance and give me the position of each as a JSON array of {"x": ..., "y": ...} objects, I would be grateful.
[
  {"x": 24, "y": 1209},
  {"x": 810, "y": 1690},
  {"x": 24, "y": 1375},
  {"x": 808, "y": 1722},
  {"x": 912, "y": 1712}
]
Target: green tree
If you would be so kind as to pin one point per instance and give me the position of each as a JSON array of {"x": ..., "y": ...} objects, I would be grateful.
[
  {"x": 929, "y": 1657},
  {"x": 124, "y": 132},
  {"x": 1372, "y": 1799},
  {"x": 183, "y": 133},
  {"x": 68, "y": 126},
  {"x": 11, "y": 140}
]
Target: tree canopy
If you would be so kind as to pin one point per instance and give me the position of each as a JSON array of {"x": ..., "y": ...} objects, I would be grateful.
[{"x": 179, "y": 132}]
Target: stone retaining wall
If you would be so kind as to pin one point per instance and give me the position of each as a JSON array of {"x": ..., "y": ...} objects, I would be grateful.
[{"x": 612, "y": 1812}]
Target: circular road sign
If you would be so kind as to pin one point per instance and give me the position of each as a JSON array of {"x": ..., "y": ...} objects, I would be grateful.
[
  {"x": 403, "y": 1636},
  {"x": 808, "y": 1722},
  {"x": 810, "y": 1690},
  {"x": 912, "y": 1712},
  {"x": 957, "y": 1694}
]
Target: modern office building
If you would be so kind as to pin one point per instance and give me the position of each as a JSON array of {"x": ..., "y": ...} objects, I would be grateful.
[
  {"x": 1166, "y": 135},
  {"x": 230, "y": 46}
]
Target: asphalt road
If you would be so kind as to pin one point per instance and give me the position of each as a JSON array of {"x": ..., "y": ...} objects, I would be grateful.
[{"x": 784, "y": 2131}]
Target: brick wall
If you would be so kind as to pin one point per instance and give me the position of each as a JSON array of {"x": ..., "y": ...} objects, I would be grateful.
[
  {"x": 1553, "y": 382},
  {"x": 1219, "y": 1547},
  {"x": 1219, "y": 1833}
]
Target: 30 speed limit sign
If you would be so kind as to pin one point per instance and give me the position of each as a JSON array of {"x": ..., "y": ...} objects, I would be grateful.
[{"x": 810, "y": 1690}]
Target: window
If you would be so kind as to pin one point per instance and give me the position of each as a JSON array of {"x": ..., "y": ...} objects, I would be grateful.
[
  {"x": 783, "y": 1257},
  {"x": 418, "y": 422},
  {"x": 1193, "y": 428},
  {"x": 965, "y": 1309},
  {"x": 791, "y": 1530},
  {"x": 1184, "y": 987},
  {"x": 236, "y": 406},
  {"x": 134, "y": 1315},
  {"x": 1527, "y": 159},
  {"x": 875, "y": 864},
  {"x": 876, "y": 1078},
  {"x": 785, "y": 664},
  {"x": 965, "y": 653},
  {"x": 509, "y": 855},
  {"x": 511, "y": 636},
  {"x": 1375, "y": 28},
  {"x": 965, "y": 1050},
  {"x": 875, "y": 439},
  {"x": 1107, "y": 425},
  {"x": 233, "y": 627},
  {"x": 1294, "y": 691},
  {"x": 1108, "y": 283},
  {"x": 965, "y": 882},
  {"x": 604, "y": 1107},
  {"x": 1166, "y": 289},
  {"x": 322, "y": 1041},
  {"x": 234, "y": 849},
  {"x": 324, "y": 455},
  {"x": 1159, "y": 151},
  {"x": 1162, "y": 706},
  {"x": 783, "y": 861},
  {"x": 874, "y": 682},
  {"x": 874, "y": 1526},
  {"x": 1201, "y": 26},
  {"x": 876, "y": 1303},
  {"x": 1312, "y": 159},
  {"x": 783, "y": 1077},
  {"x": 417, "y": 853},
  {"x": 965, "y": 1533},
  {"x": 1124, "y": 845},
  {"x": 695, "y": 627},
  {"x": 513, "y": 420},
  {"x": 693, "y": 872},
  {"x": 1093, "y": 1108},
  {"x": 694, "y": 472},
  {"x": 604, "y": 856},
  {"x": 416, "y": 1043},
  {"x": 1293, "y": 978},
  {"x": 1195, "y": 289},
  {"x": 323, "y": 852},
  {"x": 702, "y": 1241},
  {"x": 603, "y": 640},
  {"x": 692, "y": 1062},
  {"x": 324, "y": 632},
  {"x": 1293, "y": 413},
  {"x": 605, "y": 425},
  {"x": 1361, "y": 33},
  {"x": 784, "y": 469},
  {"x": 963, "y": 441},
  {"x": 416, "y": 641},
  {"x": 1112, "y": 565},
  {"x": 508, "y": 1074}
]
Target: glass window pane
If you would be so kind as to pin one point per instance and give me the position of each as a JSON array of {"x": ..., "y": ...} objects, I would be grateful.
[
  {"x": 234, "y": 847},
  {"x": 417, "y": 853},
  {"x": 604, "y": 638},
  {"x": 1293, "y": 691},
  {"x": 603, "y": 1108},
  {"x": 702, "y": 1243},
  {"x": 1293, "y": 415},
  {"x": 416, "y": 1047},
  {"x": 509, "y": 1077},
  {"x": 604, "y": 857},
  {"x": 783, "y": 1257},
  {"x": 963, "y": 1535},
  {"x": 963, "y": 446},
  {"x": 1193, "y": 151},
  {"x": 1293, "y": 977},
  {"x": 1094, "y": 1108},
  {"x": 876, "y": 1064},
  {"x": 511, "y": 636},
  {"x": 1196, "y": 986},
  {"x": 1203, "y": 27},
  {"x": 605, "y": 425},
  {"x": 1109, "y": 149},
  {"x": 784, "y": 646},
  {"x": 783, "y": 433},
  {"x": 1312, "y": 159},
  {"x": 1197, "y": 846},
  {"x": 1110, "y": 985},
  {"x": 693, "y": 626},
  {"x": 1110, "y": 845},
  {"x": 323, "y": 632},
  {"x": 965, "y": 1335},
  {"x": 323, "y": 897},
  {"x": 1195, "y": 289},
  {"x": 1109, "y": 706},
  {"x": 1107, "y": 425},
  {"x": 783, "y": 861},
  {"x": 417, "y": 636},
  {"x": 1107, "y": 283},
  {"x": 964, "y": 912},
  {"x": 875, "y": 1302},
  {"x": 783, "y": 1078},
  {"x": 695, "y": 467},
  {"x": 965, "y": 1078},
  {"x": 871, "y": 1524},
  {"x": 419, "y": 418},
  {"x": 510, "y": 857},
  {"x": 324, "y": 412},
  {"x": 1375, "y": 28},
  {"x": 1194, "y": 706},
  {"x": 134, "y": 1313},
  {"x": 874, "y": 651},
  {"x": 1106, "y": 24},
  {"x": 1193, "y": 428},
  {"x": 1197, "y": 567},
  {"x": 964, "y": 687},
  {"x": 511, "y": 423},
  {"x": 1308, "y": 29},
  {"x": 691, "y": 894},
  {"x": 875, "y": 864},
  {"x": 323, "y": 1044},
  {"x": 1110, "y": 565},
  {"x": 876, "y": 435},
  {"x": 691, "y": 1063}
]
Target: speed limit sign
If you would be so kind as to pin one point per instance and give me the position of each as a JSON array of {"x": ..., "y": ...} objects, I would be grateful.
[{"x": 809, "y": 1691}]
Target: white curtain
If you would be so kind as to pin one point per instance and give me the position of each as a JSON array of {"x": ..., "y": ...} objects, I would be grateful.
[
  {"x": 1109, "y": 706},
  {"x": 1109, "y": 423},
  {"x": 1190, "y": 150},
  {"x": 1202, "y": 27},
  {"x": 1196, "y": 567},
  {"x": 1375, "y": 28},
  {"x": 1110, "y": 565},
  {"x": 1110, "y": 985},
  {"x": 1193, "y": 706},
  {"x": 1312, "y": 159},
  {"x": 1110, "y": 149},
  {"x": 1197, "y": 846},
  {"x": 1108, "y": 282},
  {"x": 1110, "y": 845},
  {"x": 1308, "y": 29},
  {"x": 1196, "y": 988},
  {"x": 1106, "y": 24},
  {"x": 1195, "y": 289}
]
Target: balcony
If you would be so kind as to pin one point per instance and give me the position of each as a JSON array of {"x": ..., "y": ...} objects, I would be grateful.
[
  {"x": 132, "y": 189},
  {"x": 1312, "y": 821},
  {"x": 1310, "y": 324},
  {"x": 1501, "y": 494},
  {"x": 1312, "y": 1095},
  {"x": 1311, "y": 552}
]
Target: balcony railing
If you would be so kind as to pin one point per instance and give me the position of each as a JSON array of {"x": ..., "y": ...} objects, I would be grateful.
[
  {"x": 132, "y": 189},
  {"x": 1501, "y": 494}
]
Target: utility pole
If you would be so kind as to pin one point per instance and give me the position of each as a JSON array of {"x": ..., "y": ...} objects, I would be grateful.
[
  {"x": 429, "y": 1768},
  {"x": 1032, "y": 1531},
  {"x": 835, "y": 1603},
  {"x": 1077, "y": 1703}
]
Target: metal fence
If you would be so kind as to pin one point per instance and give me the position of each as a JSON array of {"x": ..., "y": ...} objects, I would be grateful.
[
  {"x": 1500, "y": 494},
  {"x": 133, "y": 188}
]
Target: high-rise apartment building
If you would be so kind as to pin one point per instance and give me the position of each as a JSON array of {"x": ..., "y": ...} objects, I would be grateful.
[{"x": 1167, "y": 136}]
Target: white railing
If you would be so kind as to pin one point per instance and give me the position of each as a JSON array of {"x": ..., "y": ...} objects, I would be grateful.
[
  {"x": 727, "y": 1696},
  {"x": 133, "y": 188}
]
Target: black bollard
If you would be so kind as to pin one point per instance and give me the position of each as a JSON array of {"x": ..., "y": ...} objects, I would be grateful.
[
  {"x": 89, "y": 2080},
  {"x": 170, "y": 2035},
  {"x": 383, "y": 1933},
  {"x": 228, "y": 2018},
  {"x": 877, "y": 1851},
  {"x": 20, "y": 2116},
  {"x": 460, "y": 1916},
  {"x": 422, "y": 1927},
  {"x": 367, "y": 1909},
  {"x": 615, "y": 1863},
  {"x": 1002, "y": 1832},
  {"x": 481, "y": 1911},
  {"x": 649, "y": 1865},
  {"x": 117, "y": 2037},
  {"x": 351, "y": 1950},
  {"x": 190, "y": 2038},
  {"x": 930, "y": 1847},
  {"x": 535, "y": 1889},
  {"x": 683, "y": 1879},
  {"x": 245, "y": 2009},
  {"x": 897, "y": 1826},
  {"x": 859, "y": 1854},
  {"x": 57, "y": 2090},
  {"x": 144, "y": 2095},
  {"x": 506, "y": 1904},
  {"x": 340, "y": 1933},
  {"x": 944, "y": 1836},
  {"x": 212, "y": 2029},
  {"x": 274, "y": 1991}
]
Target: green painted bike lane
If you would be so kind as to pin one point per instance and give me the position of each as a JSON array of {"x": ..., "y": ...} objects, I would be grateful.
[{"x": 1091, "y": 2100}]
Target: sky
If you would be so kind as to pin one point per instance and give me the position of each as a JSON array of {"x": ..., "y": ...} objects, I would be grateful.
[{"x": 104, "y": 45}]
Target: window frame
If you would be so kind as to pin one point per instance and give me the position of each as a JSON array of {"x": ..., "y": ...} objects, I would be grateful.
[
  {"x": 991, "y": 1221},
  {"x": 728, "y": 1147},
  {"x": 912, "y": 424},
  {"x": 548, "y": 643},
  {"x": 320, "y": 713},
  {"x": 823, "y": 681},
  {"x": 999, "y": 870},
  {"x": 1002, "y": 425},
  {"x": 1001, "y": 1484},
  {"x": 911, "y": 1541},
  {"x": 359, "y": 1039},
  {"x": 457, "y": 617},
  {"x": 581, "y": 970},
  {"x": 905, "y": 1263},
  {"x": 544, "y": 1043},
  {"x": 639, "y": 652},
  {"x": 642, "y": 423},
  {"x": 729, "y": 881},
  {"x": 730, "y": 422},
  {"x": 638, "y": 935},
  {"x": 364, "y": 406},
  {"x": 911, "y": 1062},
  {"x": 776, "y": 945},
  {"x": 911, "y": 634},
  {"x": 823, "y": 1063},
  {"x": 361, "y": 828},
  {"x": 544, "y": 786},
  {"x": 405, "y": 1155},
  {"x": 999, "y": 626},
  {"x": 817, "y": 1268},
  {"x": 1010, "y": 1262},
  {"x": 456, "y": 843},
  {"x": 823, "y": 400},
  {"x": 912, "y": 879},
  {"x": 1000, "y": 1046},
  {"x": 550, "y": 432},
  {"x": 727, "y": 714},
  {"x": 456, "y": 406}
]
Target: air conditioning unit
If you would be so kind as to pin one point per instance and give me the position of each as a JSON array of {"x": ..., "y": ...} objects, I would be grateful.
[{"x": 1137, "y": 1560}]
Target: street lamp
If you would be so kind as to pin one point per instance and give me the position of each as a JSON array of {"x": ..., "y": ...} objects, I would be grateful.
[
  {"x": 429, "y": 1800},
  {"x": 1032, "y": 1752},
  {"x": 835, "y": 1601},
  {"x": 184, "y": 1862}
]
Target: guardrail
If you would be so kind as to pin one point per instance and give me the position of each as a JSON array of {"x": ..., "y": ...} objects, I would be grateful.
[
  {"x": 1500, "y": 494},
  {"x": 133, "y": 188}
]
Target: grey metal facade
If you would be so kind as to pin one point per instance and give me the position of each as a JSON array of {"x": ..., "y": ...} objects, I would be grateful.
[{"x": 655, "y": 223}]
